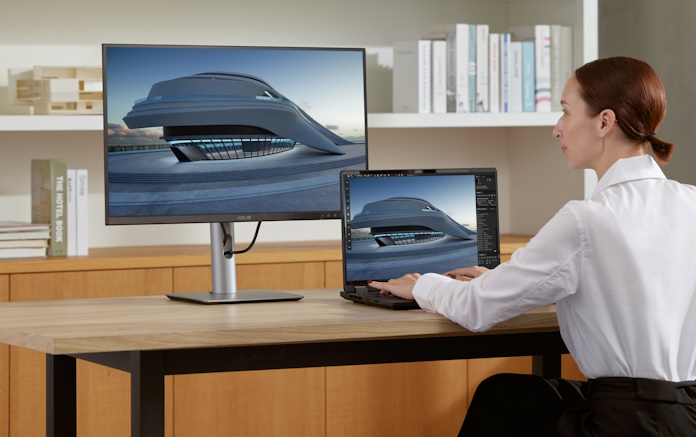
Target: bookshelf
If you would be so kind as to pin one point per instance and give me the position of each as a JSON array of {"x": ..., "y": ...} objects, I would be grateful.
[{"x": 533, "y": 175}]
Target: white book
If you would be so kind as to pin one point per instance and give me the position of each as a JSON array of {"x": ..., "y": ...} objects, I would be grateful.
[
  {"x": 411, "y": 76},
  {"x": 439, "y": 76},
  {"x": 72, "y": 212},
  {"x": 542, "y": 67},
  {"x": 82, "y": 223},
  {"x": 516, "y": 76},
  {"x": 505, "y": 75},
  {"x": 494, "y": 71},
  {"x": 566, "y": 56},
  {"x": 448, "y": 34},
  {"x": 482, "y": 88},
  {"x": 462, "y": 67}
]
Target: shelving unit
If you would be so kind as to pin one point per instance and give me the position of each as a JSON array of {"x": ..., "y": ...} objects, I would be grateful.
[
  {"x": 519, "y": 145},
  {"x": 50, "y": 123}
]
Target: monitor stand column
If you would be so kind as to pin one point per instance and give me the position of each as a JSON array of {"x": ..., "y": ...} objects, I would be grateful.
[{"x": 224, "y": 273}]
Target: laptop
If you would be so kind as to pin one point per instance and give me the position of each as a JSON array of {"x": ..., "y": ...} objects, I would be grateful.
[{"x": 396, "y": 222}]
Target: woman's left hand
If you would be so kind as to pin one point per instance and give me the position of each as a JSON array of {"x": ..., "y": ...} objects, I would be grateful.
[{"x": 402, "y": 287}]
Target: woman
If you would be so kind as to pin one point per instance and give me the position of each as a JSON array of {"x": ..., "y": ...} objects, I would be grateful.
[{"x": 616, "y": 264}]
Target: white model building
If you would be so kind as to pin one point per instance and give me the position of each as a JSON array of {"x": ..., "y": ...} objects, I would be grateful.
[{"x": 57, "y": 90}]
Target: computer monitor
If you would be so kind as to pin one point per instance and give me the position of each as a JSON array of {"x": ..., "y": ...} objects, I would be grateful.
[{"x": 211, "y": 134}]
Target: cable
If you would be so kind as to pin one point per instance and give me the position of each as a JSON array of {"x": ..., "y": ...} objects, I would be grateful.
[{"x": 227, "y": 236}]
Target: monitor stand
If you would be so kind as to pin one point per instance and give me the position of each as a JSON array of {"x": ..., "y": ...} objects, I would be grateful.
[{"x": 225, "y": 275}]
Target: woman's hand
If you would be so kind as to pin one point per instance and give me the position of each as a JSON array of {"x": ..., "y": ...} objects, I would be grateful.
[
  {"x": 402, "y": 287},
  {"x": 466, "y": 273}
]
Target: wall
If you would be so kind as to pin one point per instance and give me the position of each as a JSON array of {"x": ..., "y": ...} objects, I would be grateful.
[
  {"x": 660, "y": 33},
  {"x": 71, "y": 32}
]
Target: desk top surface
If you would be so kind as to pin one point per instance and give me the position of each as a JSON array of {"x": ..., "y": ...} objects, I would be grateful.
[{"x": 158, "y": 323}]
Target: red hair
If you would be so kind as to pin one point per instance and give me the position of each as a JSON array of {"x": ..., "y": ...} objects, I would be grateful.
[{"x": 631, "y": 89}]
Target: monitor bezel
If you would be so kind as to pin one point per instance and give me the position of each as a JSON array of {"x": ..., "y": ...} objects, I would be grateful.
[{"x": 240, "y": 216}]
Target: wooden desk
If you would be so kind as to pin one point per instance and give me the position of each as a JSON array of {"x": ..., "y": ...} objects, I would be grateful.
[{"x": 151, "y": 337}]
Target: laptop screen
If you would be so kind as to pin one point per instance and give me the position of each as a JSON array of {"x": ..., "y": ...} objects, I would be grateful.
[{"x": 424, "y": 221}]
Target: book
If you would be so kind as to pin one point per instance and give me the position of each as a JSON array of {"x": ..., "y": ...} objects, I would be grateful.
[
  {"x": 451, "y": 40},
  {"x": 561, "y": 62},
  {"x": 411, "y": 76},
  {"x": 439, "y": 76},
  {"x": 23, "y": 252},
  {"x": 494, "y": 71},
  {"x": 82, "y": 224},
  {"x": 72, "y": 212},
  {"x": 9, "y": 226},
  {"x": 505, "y": 76},
  {"x": 37, "y": 242},
  {"x": 17, "y": 231},
  {"x": 482, "y": 97},
  {"x": 462, "y": 67},
  {"x": 472, "y": 68},
  {"x": 516, "y": 76},
  {"x": 542, "y": 67},
  {"x": 540, "y": 35},
  {"x": 48, "y": 201},
  {"x": 528, "y": 104},
  {"x": 26, "y": 235}
]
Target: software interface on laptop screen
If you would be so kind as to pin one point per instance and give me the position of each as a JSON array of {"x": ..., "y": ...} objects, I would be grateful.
[{"x": 399, "y": 222}]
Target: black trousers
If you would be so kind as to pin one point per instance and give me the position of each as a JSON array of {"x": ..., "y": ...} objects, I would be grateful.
[{"x": 528, "y": 405}]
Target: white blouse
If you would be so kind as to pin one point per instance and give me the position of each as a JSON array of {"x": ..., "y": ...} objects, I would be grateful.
[{"x": 620, "y": 268}]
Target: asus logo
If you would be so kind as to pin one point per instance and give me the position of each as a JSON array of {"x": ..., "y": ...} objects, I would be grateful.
[{"x": 243, "y": 217}]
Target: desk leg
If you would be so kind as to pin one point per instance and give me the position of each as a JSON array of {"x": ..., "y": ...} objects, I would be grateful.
[
  {"x": 61, "y": 398},
  {"x": 547, "y": 365},
  {"x": 147, "y": 394}
]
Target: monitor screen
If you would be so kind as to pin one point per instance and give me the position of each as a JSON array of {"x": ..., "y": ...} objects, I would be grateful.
[
  {"x": 426, "y": 221},
  {"x": 227, "y": 134}
]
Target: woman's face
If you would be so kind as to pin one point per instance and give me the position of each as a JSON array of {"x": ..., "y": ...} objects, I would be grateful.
[{"x": 577, "y": 130}]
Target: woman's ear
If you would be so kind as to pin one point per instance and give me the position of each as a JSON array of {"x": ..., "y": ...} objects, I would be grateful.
[{"x": 607, "y": 120}]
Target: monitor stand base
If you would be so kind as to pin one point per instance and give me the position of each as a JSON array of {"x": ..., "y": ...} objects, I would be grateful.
[{"x": 241, "y": 296}]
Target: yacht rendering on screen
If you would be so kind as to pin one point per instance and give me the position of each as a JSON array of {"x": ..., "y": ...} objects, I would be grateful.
[
  {"x": 226, "y": 115},
  {"x": 408, "y": 220}
]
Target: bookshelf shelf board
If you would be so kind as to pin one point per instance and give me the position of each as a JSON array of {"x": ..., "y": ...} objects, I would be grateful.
[
  {"x": 522, "y": 119},
  {"x": 26, "y": 123}
]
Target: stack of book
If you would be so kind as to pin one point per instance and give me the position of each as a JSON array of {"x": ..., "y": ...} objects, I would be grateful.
[
  {"x": 59, "y": 198},
  {"x": 23, "y": 240},
  {"x": 466, "y": 68}
]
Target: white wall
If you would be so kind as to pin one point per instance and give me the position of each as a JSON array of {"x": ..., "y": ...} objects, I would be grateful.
[
  {"x": 70, "y": 32},
  {"x": 662, "y": 34}
]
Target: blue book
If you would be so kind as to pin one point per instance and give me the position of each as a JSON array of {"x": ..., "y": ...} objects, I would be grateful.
[
  {"x": 528, "y": 96},
  {"x": 472, "y": 68}
]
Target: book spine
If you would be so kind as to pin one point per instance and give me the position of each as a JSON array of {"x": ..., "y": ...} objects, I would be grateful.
[
  {"x": 528, "y": 77},
  {"x": 472, "y": 68},
  {"x": 71, "y": 212},
  {"x": 482, "y": 93},
  {"x": 494, "y": 71},
  {"x": 462, "y": 68},
  {"x": 505, "y": 80},
  {"x": 451, "y": 40},
  {"x": 557, "y": 82},
  {"x": 542, "y": 50},
  {"x": 405, "y": 77},
  {"x": 566, "y": 54},
  {"x": 424, "y": 76},
  {"x": 82, "y": 224},
  {"x": 49, "y": 202},
  {"x": 439, "y": 76},
  {"x": 516, "y": 77}
]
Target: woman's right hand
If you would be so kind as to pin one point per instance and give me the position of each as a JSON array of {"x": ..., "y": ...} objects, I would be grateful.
[{"x": 466, "y": 273}]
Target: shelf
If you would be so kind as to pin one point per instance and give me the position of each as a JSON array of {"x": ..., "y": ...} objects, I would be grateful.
[
  {"x": 26, "y": 123},
  {"x": 521, "y": 119}
]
